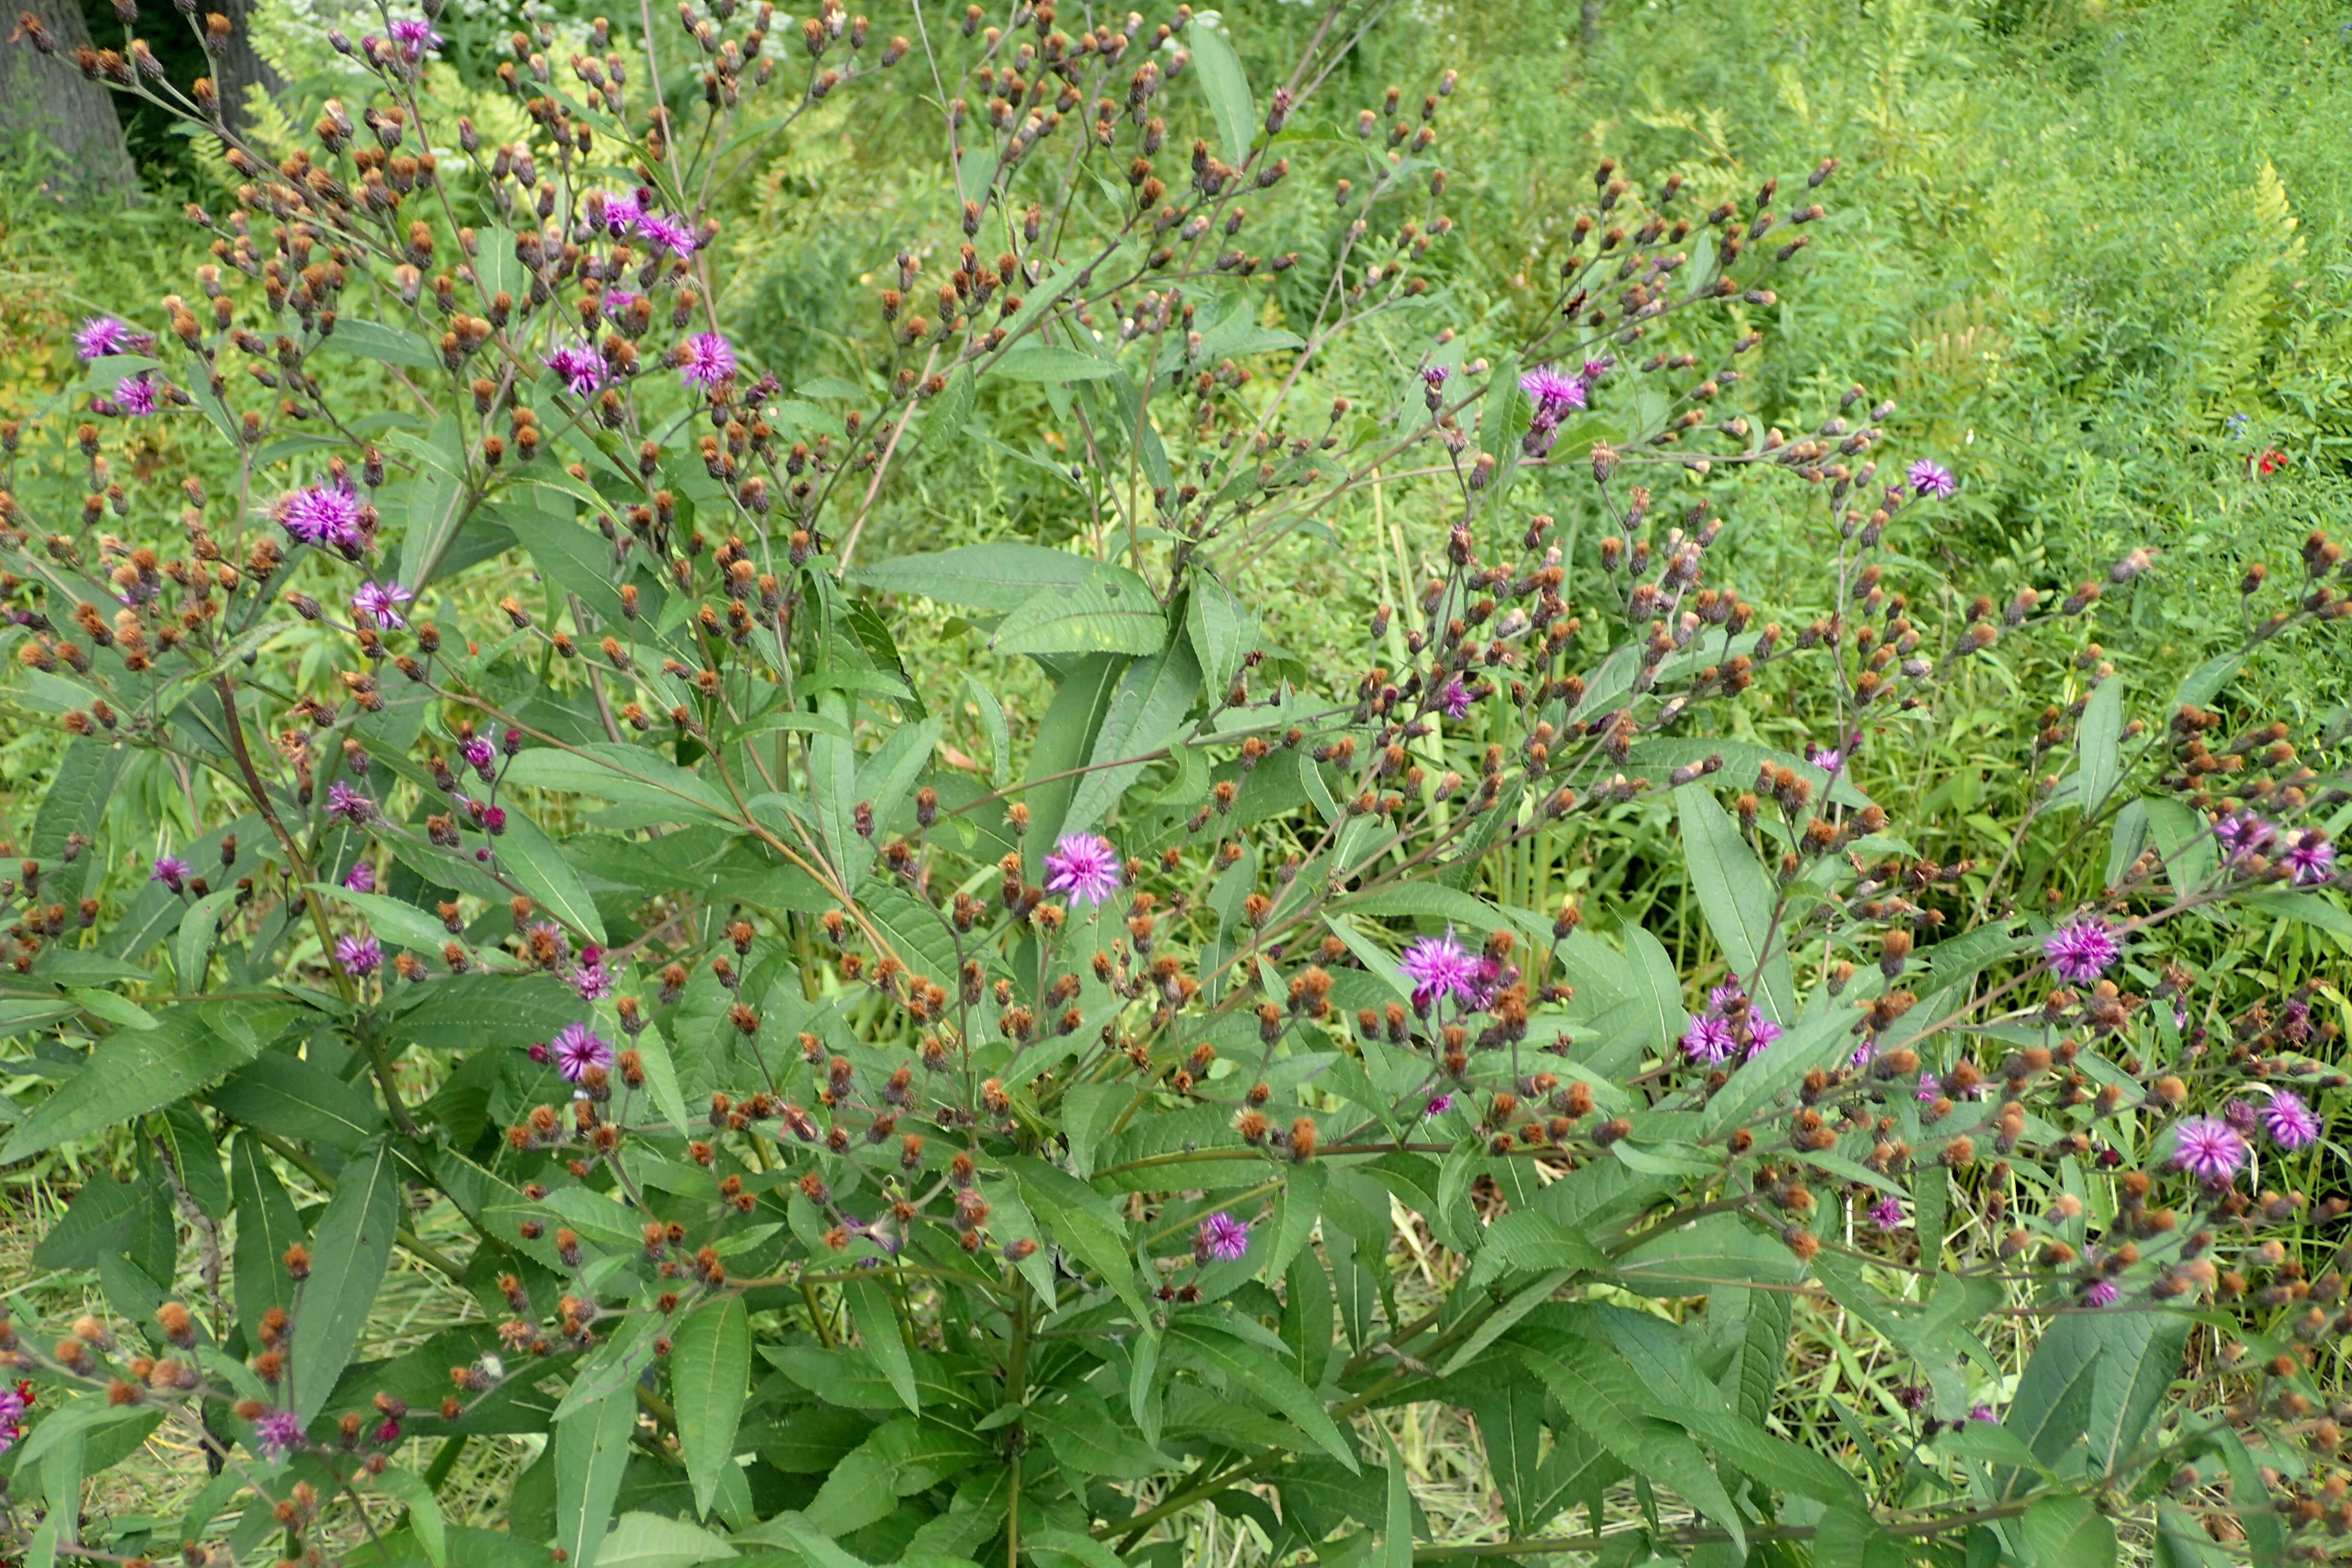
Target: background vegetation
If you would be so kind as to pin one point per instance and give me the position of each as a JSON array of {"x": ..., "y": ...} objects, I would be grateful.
[{"x": 2097, "y": 253}]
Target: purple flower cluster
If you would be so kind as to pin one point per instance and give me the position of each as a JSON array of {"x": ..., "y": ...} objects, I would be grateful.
[
  {"x": 1731, "y": 1026},
  {"x": 580, "y": 366},
  {"x": 323, "y": 515},
  {"x": 706, "y": 359},
  {"x": 1932, "y": 478},
  {"x": 359, "y": 956},
  {"x": 577, "y": 1047},
  {"x": 277, "y": 1433},
  {"x": 2208, "y": 1149},
  {"x": 102, "y": 337},
  {"x": 1556, "y": 395},
  {"x": 382, "y": 601},
  {"x": 2082, "y": 952},
  {"x": 1441, "y": 967},
  {"x": 1221, "y": 1239},
  {"x": 1085, "y": 866}
]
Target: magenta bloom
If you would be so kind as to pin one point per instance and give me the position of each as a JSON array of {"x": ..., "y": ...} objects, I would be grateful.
[
  {"x": 1085, "y": 866},
  {"x": 2101, "y": 1293},
  {"x": 349, "y": 804},
  {"x": 1930, "y": 1086},
  {"x": 577, "y": 1047},
  {"x": 668, "y": 230},
  {"x": 2081, "y": 953},
  {"x": 1438, "y": 967},
  {"x": 622, "y": 210},
  {"x": 1434, "y": 376},
  {"x": 2241, "y": 833},
  {"x": 276, "y": 1432},
  {"x": 1981, "y": 1413},
  {"x": 101, "y": 337},
  {"x": 479, "y": 756},
  {"x": 1555, "y": 394},
  {"x": 137, "y": 393},
  {"x": 590, "y": 978},
  {"x": 1887, "y": 1213},
  {"x": 2291, "y": 1123},
  {"x": 2309, "y": 856},
  {"x": 2208, "y": 1149},
  {"x": 1929, "y": 479},
  {"x": 705, "y": 359},
  {"x": 415, "y": 37},
  {"x": 383, "y": 600},
  {"x": 1454, "y": 699},
  {"x": 1438, "y": 1107},
  {"x": 1222, "y": 1240},
  {"x": 323, "y": 515},
  {"x": 362, "y": 879},
  {"x": 169, "y": 870},
  {"x": 1762, "y": 1032},
  {"x": 579, "y": 366},
  {"x": 361, "y": 955},
  {"x": 1708, "y": 1039}
]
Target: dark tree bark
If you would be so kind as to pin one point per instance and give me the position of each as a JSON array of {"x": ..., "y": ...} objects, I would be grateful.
[{"x": 42, "y": 95}]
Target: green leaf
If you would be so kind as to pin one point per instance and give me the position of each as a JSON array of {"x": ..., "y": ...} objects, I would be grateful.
[
  {"x": 710, "y": 1371},
  {"x": 2096, "y": 1380},
  {"x": 592, "y": 1449},
  {"x": 886, "y": 778},
  {"x": 130, "y": 1074},
  {"x": 1850, "y": 1538},
  {"x": 877, "y": 1331},
  {"x": 1738, "y": 900},
  {"x": 1249, "y": 1372},
  {"x": 951, "y": 408},
  {"x": 120, "y": 1011},
  {"x": 656, "y": 1540},
  {"x": 350, "y": 1251},
  {"x": 1531, "y": 1239},
  {"x": 532, "y": 858},
  {"x": 193, "y": 942},
  {"x": 404, "y": 925},
  {"x": 291, "y": 1097},
  {"x": 1601, "y": 1394},
  {"x": 1064, "y": 740},
  {"x": 2069, "y": 1532},
  {"x": 819, "y": 1549},
  {"x": 1146, "y": 714},
  {"x": 1222, "y": 631},
  {"x": 1044, "y": 362},
  {"x": 436, "y": 505},
  {"x": 1113, "y": 611},
  {"x": 614, "y": 1367},
  {"x": 385, "y": 345},
  {"x": 1082, "y": 1222},
  {"x": 2099, "y": 745},
  {"x": 1089, "y": 1440},
  {"x": 623, "y": 775},
  {"x": 75, "y": 800},
  {"x": 1228, "y": 90},
  {"x": 1068, "y": 1549},
  {"x": 424, "y": 1519},
  {"x": 266, "y": 1226}
]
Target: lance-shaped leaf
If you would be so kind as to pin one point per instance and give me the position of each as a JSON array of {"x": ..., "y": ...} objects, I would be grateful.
[{"x": 710, "y": 1373}]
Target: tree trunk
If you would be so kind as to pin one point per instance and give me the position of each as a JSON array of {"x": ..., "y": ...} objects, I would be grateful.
[
  {"x": 45, "y": 97},
  {"x": 240, "y": 67}
]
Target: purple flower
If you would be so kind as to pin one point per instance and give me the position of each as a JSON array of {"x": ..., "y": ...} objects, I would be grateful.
[
  {"x": 1762, "y": 1032},
  {"x": 137, "y": 393},
  {"x": 577, "y": 1047},
  {"x": 1222, "y": 1240},
  {"x": 2291, "y": 1123},
  {"x": 415, "y": 37},
  {"x": 1887, "y": 1213},
  {"x": 1454, "y": 699},
  {"x": 481, "y": 756},
  {"x": 706, "y": 359},
  {"x": 13, "y": 1405},
  {"x": 1438, "y": 1107},
  {"x": 101, "y": 337},
  {"x": 1930, "y": 1087},
  {"x": 362, "y": 879},
  {"x": 2081, "y": 953},
  {"x": 360, "y": 955},
  {"x": 2208, "y": 1149},
  {"x": 383, "y": 600},
  {"x": 276, "y": 1432},
  {"x": 1723, "y": 998},
  {"x": 2241, "y": 833},
  {"x": 1437, "y": 966},
  {"x": 1594, "y": 369},
  {"x": 617, "y": 302},
  {"x": 2100, "y": 1293},
  {"x": 1085, "y": 866},
  {"x": 349, "y": 804},
  {"x": 2309, "y": 856},
  {"x": 669, "y": 230},
  {"x": 622, "y": 210},
  {"x": 1556, "y": 395},
  {"x": 1981, "y": 1413},
  {"x": 1931, "y": 479},
  {"x": 1863, "y": 1055},
  {"x": 1708, "y": 1039},
  {"x": 323, "y": 515},
  {"x": 579, "y": 366},
  {"x": 1912, "y": 1395},
  {"x": 169, "y": 870},
  {"x": 1434, "y": 377},
  {"x": 590, "y": 978}
]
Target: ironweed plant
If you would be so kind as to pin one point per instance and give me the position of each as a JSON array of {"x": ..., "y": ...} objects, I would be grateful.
[{"x": 874, "y": 1153}]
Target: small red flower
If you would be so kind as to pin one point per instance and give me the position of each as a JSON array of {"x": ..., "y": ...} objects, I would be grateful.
[{"x": 2270, "y": 461}]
